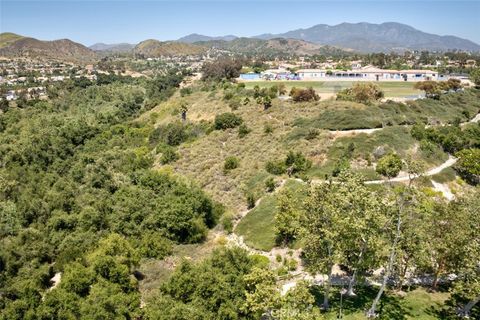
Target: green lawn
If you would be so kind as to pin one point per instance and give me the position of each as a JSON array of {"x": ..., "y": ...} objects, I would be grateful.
[
  {"x": 257, "y": 227},
  {"x": 391, "y": 89},
  {"x": 417, "y": 304}
]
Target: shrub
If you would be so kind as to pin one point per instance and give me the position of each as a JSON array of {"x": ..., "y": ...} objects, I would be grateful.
[
  {"x": 273, "y": 92},
  {"x": 362, "y": 93},
  {"x": 234, "y": 103},
  {"x": 227, "y": 223},
  {"x": 260, "y": 260},
  {"x": 389, "y": 165},
  {"x": 169, "y": 155},
  {"x": 228, "y": 95},
  {"x": 290, "y": 264},
  {"x": 270, "y": 184},
  {"x": 268, "y": 128},
  {"x": 172, "y": 134},
  {"x": 251, "y": 200},
  {"x": 293, "y": 163},
  {"x": 468, "y": 165},
  {"x": 227, "y": 120},
  {"x": 266, "y": 102},
  {"x": 185, "y": 91},
  {"x": 153, "y": 245},
  {"x": 427, "y": 147},
  {"x": 243, "y": 130},
  {"x": 276, "y": 168},
  {"x": 341, "y": 165},
  {"x": 296, "y": 162},
  {"x": 231, "y": 163},
  {"x": 303, "y": 95},
  {"x": 312, "y": 134}
]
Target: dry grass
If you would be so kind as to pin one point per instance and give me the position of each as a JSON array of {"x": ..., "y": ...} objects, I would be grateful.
[{"x": 202, "y": 160}]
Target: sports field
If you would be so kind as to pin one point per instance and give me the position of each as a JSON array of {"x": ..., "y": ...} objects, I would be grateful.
[{"x": 391, "y": 88}]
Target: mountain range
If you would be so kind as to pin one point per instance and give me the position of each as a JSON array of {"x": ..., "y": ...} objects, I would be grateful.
[
  {"x": 195, "y": 37},
  {"x": 343, "y": 38},
  {"x": 116, "y": 47},
  {"x": 368, "y": 37},
  {"x": 365, "y": 37}
]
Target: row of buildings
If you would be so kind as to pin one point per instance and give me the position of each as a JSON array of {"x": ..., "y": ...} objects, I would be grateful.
[{"x": 368, "y": 73}]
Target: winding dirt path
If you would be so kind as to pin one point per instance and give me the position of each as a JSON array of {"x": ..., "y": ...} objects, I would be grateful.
[
  {"x": 405, "y": 177},
  {"x": 236, "y": 240},
  {"x": 341, "y": 133}
]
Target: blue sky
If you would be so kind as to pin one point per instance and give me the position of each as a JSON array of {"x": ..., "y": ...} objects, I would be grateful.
[{"x": 112, "y": 21}]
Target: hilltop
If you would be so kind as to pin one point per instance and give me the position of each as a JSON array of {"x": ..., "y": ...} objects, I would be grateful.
[
  {"x": 155, "y": 48},
  {"x": 8, "y": 38},
  {"x": 63, "y": 49}
]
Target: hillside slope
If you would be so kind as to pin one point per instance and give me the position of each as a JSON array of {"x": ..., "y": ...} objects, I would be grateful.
[
  {"x": 276, "y": 46},
  {"x": 155, "y": 48},
  {"x": 8, "y": 38}
]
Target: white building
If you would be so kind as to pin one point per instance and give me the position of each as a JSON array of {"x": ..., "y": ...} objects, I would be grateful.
[{"x": 368, "y": 73}]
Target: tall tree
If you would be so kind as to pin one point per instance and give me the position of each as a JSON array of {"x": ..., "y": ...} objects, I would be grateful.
[{"x": 342, "y": 224}]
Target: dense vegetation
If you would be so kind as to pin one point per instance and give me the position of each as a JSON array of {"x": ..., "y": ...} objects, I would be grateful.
[
  {"x": 88, "y": 196},
  {"x": 78, "y": 196}
]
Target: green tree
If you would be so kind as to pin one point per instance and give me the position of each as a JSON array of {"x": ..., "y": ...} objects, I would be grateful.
[
  {"x": 287, "y": 217},
  {"x": 366, "y": 93},
  {"x": 389, "y": 165},
  {"x": 475, "y": 76},
  {"x": 341, "y": 225},
  {"x": 227, "y": 120},
  {"x": 431, "y": 88},
  {"x": 468, "y": 165}
]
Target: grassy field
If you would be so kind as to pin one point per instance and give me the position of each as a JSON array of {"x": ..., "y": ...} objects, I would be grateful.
[
  {"x": 257, "y": 227},
  {"x": 417, "y": 304},
  {"x": 391, "y": 89}
]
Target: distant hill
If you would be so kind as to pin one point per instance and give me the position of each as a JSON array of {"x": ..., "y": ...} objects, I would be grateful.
[
  {"x": 277, "y": 46},
  {"x": 12, "y": 45},
  {"x": 368, "y": 37},
  {"x": 8, "y": 38},
  {"x": 116, "y": 47},
  {"x": 195, "y": 37},
  {"x": 154, "y": 48}
]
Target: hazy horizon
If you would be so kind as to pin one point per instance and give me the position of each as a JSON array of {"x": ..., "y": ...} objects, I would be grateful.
[{"x": 131, "y": 22}]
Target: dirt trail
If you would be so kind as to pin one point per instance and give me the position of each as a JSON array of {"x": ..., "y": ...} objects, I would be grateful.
[
  {"x": 236, "y": 240},
  {"x": 444, "y": 189},
  {"x": 341, "y": 133},
  {"x": 405, "y": 177}
]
